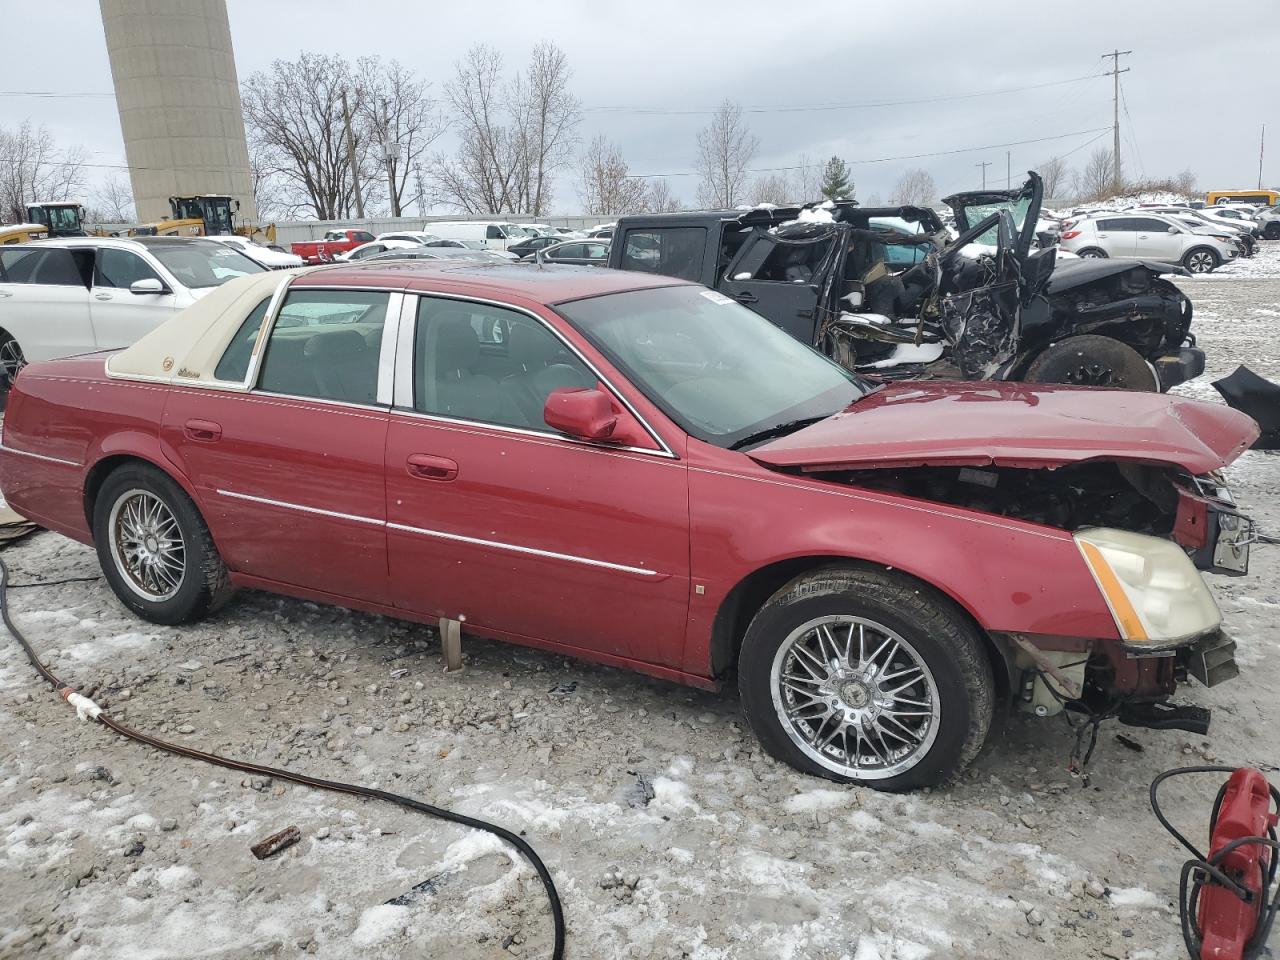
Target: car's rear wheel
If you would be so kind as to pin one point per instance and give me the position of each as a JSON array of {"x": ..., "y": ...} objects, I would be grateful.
[
  {"x": 1090, "y": 360},
  {"x": 1092, "y": 253},
  {"x": 1272, "y": 230},
  {"x": 1201, "y": 260},
  {"x": 11, "y": 361},
  {"x": 154, "y": 548},
  {"x": 867, "y": 677}
]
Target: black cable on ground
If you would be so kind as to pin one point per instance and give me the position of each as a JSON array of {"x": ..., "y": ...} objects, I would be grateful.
[{"x": 88, "y": 709}]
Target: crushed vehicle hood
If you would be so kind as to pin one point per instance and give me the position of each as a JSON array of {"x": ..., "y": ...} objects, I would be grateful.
[
  {"x": 1069, "y": 274},
  {"x": 1014, "y": 425}
]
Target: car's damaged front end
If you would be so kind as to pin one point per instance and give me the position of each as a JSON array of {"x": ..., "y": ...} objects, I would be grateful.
[
  {"x": 886, "y": 292},
  {"x": 1144, "y": 505}
]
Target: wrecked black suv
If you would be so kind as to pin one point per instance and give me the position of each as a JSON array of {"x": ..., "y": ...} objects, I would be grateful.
[{"x": 884, "y": 290}]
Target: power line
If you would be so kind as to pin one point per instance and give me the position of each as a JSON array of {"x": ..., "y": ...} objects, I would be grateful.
[
  {"x": 1133, "y": 132},
  {"x": 52, "y": 93},
  {"x": 855, "y": 105},
  {"x": 913, "y": 156}
]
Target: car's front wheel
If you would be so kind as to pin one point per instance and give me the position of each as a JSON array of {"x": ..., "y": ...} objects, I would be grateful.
[
  {"x": 1271, "y": 231},
  {"x": 154, "y": 548},
  {"x": 1201, "y": 260},
  {"x": 1090, "y": 360},
  {"x": 865, "y": 676}
]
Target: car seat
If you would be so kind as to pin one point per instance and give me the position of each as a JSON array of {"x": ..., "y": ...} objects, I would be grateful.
[
  {"x": 543, "y": 368},
  {"x": 343, "y": 366}
]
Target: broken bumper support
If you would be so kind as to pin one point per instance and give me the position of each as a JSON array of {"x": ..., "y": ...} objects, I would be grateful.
[{"x": 1175, "y": 368}]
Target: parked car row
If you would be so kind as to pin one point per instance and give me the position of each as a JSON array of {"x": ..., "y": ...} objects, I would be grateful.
[{"x": 867, "y": 561}]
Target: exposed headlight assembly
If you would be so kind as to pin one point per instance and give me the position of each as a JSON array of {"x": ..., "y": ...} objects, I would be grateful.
[{"x": 1154, "y": 591}]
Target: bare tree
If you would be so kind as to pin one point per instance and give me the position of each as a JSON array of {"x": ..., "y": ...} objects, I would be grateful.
[
  {"x": 660, "y": 199},
  {"x": 1094, "y": 180},
  {"x": 915, "y": 188},
  {"x": 294, "y": 117},
  {"x": 604, "y": 183},
  {"x": 112, "y": 201},
  {"x": 1055, "y": 174},
  {"x": 397, "y": 110},
  {"x": 808, "y": 180},
  {"x": 34, "y": 167},
  {"x": 1185, "y": 182},
  {"x": 725, "y": 148},
  {"x": 514, "y": 136},
  {"x": 775, "y": 188}
]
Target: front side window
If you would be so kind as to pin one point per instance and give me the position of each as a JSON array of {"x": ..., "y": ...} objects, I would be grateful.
[
  {"x": 720, "y": 371},
  {"x": 568, "y": 251},
  {"x": 672, "y": 252},
  {"x": 362, "y": 236},
  {"x": 491, "y": 232},
  {"x": 234, "y": 364},
  {"x": 120, "y": 269},
  {"x": 476, "y": 361},
  {"x": 203, "y": 263},
  {"x": 326, "y": 344},
  {"x": 1148, "y": 225}
]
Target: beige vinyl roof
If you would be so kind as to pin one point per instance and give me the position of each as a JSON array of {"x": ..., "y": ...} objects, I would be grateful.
[{"x": 188, "y": 346}]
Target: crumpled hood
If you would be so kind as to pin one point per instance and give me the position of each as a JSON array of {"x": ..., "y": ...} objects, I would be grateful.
[{"x": 1014, "y": 425}]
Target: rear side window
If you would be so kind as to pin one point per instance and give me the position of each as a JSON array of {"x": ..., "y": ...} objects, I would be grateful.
[
  {"x": 234, "y": 364},
  {"x": 1112, "y": 224},
  {"x": 569, "y": 250},
  {"x": 364, "y": 236},
  {"x": 17, "y": 266},
  {"x": 326, "y": 345},
  {"x": 672, "y": 252}
]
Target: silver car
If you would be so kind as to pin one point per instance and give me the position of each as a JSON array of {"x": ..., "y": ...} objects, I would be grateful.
[{"x": 1150, "y": 236}]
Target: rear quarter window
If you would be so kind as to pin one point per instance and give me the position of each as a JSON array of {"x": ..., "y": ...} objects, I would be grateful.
[{"x": 670, "y": 251}]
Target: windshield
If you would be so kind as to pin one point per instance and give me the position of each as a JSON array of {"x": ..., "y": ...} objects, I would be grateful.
[
  {"x": 716, "y": 368},
  {"x": 64, "y": 218},
  {"x": 204, "y": 264}
]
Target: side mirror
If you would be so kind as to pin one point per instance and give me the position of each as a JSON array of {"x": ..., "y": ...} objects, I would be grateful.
[
  {"x": 1172, "y": 230},
  {"x": 582, "y": 412},
  {"x": 149, "y": 285}
]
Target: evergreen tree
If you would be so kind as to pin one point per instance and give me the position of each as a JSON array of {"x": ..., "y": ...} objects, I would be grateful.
[{"x": 836, "y": 184}]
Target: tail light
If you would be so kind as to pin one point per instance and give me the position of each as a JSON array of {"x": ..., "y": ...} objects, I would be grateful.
[{"x": 1071, "y": 235}]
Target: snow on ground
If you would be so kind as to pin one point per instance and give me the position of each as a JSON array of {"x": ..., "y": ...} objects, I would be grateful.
[{"x": 669, "y": 833}]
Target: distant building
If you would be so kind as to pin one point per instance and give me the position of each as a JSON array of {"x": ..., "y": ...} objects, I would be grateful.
[{"x": 179, "y": 99}]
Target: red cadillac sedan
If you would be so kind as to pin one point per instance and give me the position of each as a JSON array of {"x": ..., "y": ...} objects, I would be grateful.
[{"x": 640, "y": 471}]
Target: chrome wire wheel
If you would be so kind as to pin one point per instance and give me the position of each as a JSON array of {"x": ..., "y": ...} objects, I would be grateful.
[
  {"x": 1201, "y": 261},
  {"x": 855, "y": 697},
  {"x": 11, "y": 360},
  {"x": 147, "y": 545}
]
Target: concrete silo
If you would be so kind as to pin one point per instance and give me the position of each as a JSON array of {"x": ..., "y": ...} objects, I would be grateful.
[{"x": 179, "y": 100}]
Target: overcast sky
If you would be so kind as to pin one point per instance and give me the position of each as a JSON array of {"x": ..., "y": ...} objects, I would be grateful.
[{"x": 1201, "y": 81}]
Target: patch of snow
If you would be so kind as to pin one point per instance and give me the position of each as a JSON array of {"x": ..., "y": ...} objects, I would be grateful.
[
  {"x": 1137, "y": 897},
  {"x": 380, "y": 923},
  {"x": 814, "y": 800}
]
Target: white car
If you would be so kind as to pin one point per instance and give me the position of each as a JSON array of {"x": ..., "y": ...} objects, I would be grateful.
[
  {"x": 269, "y": 258},
  {"x": 79, "y": 294},
  {"x": 413, "y": 236},
  {"x": 1150, "y": 236},
  {"x": 375, "y": 247}
]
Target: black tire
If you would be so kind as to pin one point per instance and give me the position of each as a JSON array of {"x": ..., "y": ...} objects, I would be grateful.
[
  {"x": 942, "y": 639},
  {"x": 11, "y": 361},
  {"x": 1201, "y": 260},
  {"x": 1272, "y": 230},
  {"x": 1090, "y": 360},
  {"x": 202, "y": 586},
  {"x": 1092, "y": 253}
]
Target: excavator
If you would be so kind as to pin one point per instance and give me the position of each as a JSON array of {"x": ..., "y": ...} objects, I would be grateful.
[{"x": 204, "y": 215}]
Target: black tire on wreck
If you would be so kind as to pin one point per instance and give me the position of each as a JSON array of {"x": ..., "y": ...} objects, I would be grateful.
[{"x": 1090, "y": 360}]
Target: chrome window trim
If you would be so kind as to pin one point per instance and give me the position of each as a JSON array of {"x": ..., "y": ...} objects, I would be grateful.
[
  {"x": 546, "y": 435},
  {"x": 268, "y": 322},
  {"x": 273, "y": 314},
  {"x": 406, "y": 364},
  {"x": 38, "y": 456},
  {"x": 402, "y": 394},
  {"x": 387, "y": 348},
  {"x": 441, "y": 535}
]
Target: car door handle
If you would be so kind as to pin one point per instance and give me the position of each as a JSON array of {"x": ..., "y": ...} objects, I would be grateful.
[
  {"x": 102, "y": 296},
  {"x": 1142, "y": 236},
  {"x": 745, "y": 297},
  {"x": 202, "y": 431},
  {"x": 5, "y": 293},
  {"x": 426, "y": 467}
]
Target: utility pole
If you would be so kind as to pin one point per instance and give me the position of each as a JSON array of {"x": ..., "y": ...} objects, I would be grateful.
[
  {"x": 351, "y": 156},
  {"x": 1262, "y": 144},
  {"x": 391, "y": 153},
  {"x": 983, "y": 164},
  {"x": 1115, "y": 72}
]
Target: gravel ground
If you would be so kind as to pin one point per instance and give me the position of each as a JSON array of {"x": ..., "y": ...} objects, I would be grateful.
[{"x": 668, "y": 832}]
